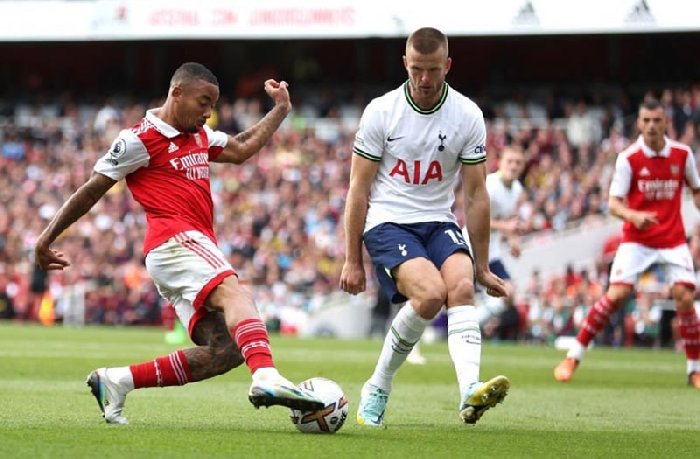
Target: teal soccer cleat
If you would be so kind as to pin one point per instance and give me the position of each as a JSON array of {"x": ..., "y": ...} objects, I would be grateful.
[{"x": 372, "y": 406}]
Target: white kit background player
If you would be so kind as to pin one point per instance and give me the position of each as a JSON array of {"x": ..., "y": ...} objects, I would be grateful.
[{"x": 505, "y": 194}]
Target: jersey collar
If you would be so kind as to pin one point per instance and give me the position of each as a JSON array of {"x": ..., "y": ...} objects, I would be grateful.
[
  {"x": 415, "y": 106},
  {"x": 163, "y": 127},
  {"x": 649, "y": 153}
]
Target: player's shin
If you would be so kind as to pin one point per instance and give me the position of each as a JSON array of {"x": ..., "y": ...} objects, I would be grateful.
[
  {"x": 464, "y": 344},
  {"x": 689, "y": 330},
  {"x": 168, "y": 370},
  {"x": 406, "y": 329},
  {"x": 596, "y": 319},
  {"x": 252, "y": 339}
]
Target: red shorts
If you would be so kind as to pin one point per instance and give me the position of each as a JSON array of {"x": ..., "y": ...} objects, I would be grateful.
[{"x": 185, "y": 269}]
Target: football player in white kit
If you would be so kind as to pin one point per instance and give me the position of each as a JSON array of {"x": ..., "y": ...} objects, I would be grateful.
[
  {"x": 505, "y": 193},
  {"x": 411, "y": 147},
  {"x": 165, "y": 161},
  {"x": 646, "y": 192}
]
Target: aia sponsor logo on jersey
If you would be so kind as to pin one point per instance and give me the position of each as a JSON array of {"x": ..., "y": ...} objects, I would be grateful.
[{"x": 414, "y": 174}]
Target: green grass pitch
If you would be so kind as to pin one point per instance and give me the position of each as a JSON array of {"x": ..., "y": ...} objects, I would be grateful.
[{"x": 622, "y": 403}]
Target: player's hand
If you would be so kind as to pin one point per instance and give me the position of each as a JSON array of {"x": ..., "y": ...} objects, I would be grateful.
[
  {"x": 48, "y": 259},
  {"x": 512, "y": 226},
  {"x": 515, "y": 251},
  {"x": 495, "y": 286},
  {"x": 642, "y": 220},
  {"x": 279, "y": 93},
  {"x": 352, "y": 278}
]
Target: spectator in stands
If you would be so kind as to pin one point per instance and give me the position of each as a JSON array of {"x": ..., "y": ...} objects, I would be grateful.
[
  {"x": 646, "y": 193},
  {"x": 165, "y": 161}
]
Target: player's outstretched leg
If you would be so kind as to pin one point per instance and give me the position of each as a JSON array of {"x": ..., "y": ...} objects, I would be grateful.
[
  {"x": 482, "y": 396},
  {"x": 373, "y": 400},
  {"x": 110, "y": 395},
  {"x": 270, "y": 388}
]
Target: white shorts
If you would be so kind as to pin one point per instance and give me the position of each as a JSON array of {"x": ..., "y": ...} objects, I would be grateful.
[
  {"x": 185, "y": 269},
  {"x": 633, "y": 259}
]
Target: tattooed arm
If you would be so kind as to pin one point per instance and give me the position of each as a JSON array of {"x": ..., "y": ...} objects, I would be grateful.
[
  {"x": 247, "y": 143},
  {"x": 77, "y": 205}
]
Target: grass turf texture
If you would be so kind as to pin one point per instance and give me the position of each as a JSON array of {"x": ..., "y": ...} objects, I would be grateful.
[{"x": 622, "y": 403}]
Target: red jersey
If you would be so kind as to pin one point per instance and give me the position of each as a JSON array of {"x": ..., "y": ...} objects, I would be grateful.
[
  {"x": 167, "y": 172},
  {"x": 653, "y": 181}
]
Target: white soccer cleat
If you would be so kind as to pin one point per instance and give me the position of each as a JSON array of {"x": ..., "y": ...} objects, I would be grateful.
[
  {"x": 373, "y": 400},
  {"x": 280, "y": 391},
  {"x": 110, "y": 396},
  {"x": 481, "y": 396}
]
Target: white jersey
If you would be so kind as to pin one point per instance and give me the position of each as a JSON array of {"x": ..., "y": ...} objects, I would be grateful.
[
  {"x": 420, "y": 154},
  {"x": 504, "y": 201}
]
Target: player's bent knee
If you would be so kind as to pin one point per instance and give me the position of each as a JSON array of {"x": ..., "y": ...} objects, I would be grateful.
[
  {"x": 461, "y": 293},
  {"x": 428, "y": 308}
]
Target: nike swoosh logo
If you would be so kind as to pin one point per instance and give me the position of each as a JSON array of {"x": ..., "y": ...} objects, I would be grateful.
[{"x": 391, "y": 139}]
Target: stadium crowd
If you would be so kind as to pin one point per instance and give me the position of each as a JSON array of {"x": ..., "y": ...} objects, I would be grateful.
[{"x": 279, "y": 215}]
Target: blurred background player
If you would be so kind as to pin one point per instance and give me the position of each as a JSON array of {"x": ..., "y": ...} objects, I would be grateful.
[
  {"x": 646, "y": 193},
  {"x": 164, "y": 159},
  {"x": 505, "y": 193},
  {"x": 411, "y": 145}
]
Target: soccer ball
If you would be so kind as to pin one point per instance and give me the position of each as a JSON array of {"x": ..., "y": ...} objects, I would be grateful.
[{"x": 331, "y": 418}]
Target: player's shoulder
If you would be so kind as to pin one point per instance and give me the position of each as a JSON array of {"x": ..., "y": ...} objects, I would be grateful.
[
  {"x": 632, "y": 149},
  {"x": 127, "y": 143},
  {"x": 130, "y": 140},
  {"x": 464, "y": 103},
  {"x": 679, "y": 146},
  {"x": 143, "y": 126}
]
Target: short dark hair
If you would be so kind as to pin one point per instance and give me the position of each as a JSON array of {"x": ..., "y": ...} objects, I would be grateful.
[
  {"x": 650, "y": 103},
  {"x": 191, "y": 71},
  {"x": 427, "y": 40}
]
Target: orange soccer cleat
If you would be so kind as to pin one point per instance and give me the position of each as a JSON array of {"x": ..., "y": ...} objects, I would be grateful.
[
  {"x": 694, "y": 379},
  {"x": 565, "y": 370}
]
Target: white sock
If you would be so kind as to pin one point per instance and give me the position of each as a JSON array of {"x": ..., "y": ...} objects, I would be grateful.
[
  {"x": 464, "y": 344},
  {"x": 406, "y": 329},
  {"x": 266, "y": 374},
  {"x": 576, "y": 351},
  {"x": 121, "y": 376}
]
